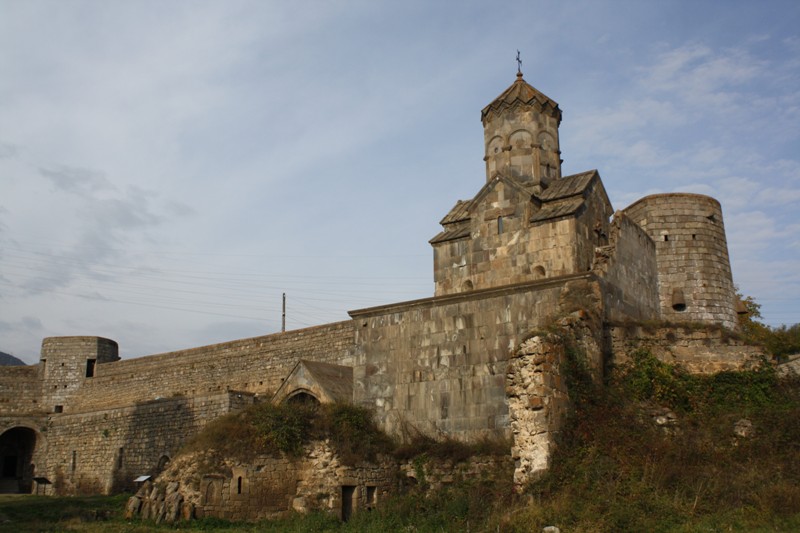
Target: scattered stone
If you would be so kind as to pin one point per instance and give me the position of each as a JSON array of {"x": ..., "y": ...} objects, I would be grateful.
[
  {"x": 665, "y": 418},
  {"x": 133, "y": 507},
  {"x": 299, "y": 504},
  {"x": 743, "y": 428}
]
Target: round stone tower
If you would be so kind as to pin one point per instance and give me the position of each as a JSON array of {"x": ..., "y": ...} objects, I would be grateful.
[
  {"x": 694, "y": 272},
  {"x": 520, "y": 129}
]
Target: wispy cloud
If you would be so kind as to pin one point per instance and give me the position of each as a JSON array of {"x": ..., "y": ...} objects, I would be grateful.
[{"x": 76, "y": 180}]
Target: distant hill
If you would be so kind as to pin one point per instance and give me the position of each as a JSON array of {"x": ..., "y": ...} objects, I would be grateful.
[{"x": 9, "y": 360}]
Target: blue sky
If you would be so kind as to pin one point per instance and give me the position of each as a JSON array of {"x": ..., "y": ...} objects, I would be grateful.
[{"x": 168, "y": 169}]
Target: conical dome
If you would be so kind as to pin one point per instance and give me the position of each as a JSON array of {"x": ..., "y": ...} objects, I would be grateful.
[{"x": 521, "y": 93}]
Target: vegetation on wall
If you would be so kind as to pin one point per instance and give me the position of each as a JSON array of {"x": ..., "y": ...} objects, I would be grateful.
[
  {"x": 619, "y": 469},
  {"x": 271, "y": 429}
]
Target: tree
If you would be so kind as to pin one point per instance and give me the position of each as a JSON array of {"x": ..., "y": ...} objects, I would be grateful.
[{"x": 781, "y": 341}]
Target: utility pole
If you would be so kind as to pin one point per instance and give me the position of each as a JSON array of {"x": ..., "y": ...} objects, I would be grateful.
[{"x": 283, "y": 314}]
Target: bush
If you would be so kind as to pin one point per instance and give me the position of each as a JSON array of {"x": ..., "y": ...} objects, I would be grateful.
[
  {"x": 273, "y": 429},
  {"x": 617, "y": 471},
  {"x": 282, "y": 428}
]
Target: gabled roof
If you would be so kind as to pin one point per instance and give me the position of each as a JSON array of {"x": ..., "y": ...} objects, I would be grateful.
[
  {"x": 327, "y": 382},
  {"x": 459, "y": 212},
  {"x": 564, "y": 197},
  {"x": 568, "y": 186},
  {"x": 462, "y": 211},
  {"x": 521, "y": 93},
  {"x": 557, "y": 210}
]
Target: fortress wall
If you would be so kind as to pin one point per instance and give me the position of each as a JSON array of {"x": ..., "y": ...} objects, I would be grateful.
[
  {"x": 19, "y": 390},
  {"x": 254, "y": 365},
  {"x": 692, "y": 256},
  {"x": 439, "y": 365},
  {"x": 105, "y": 450},
  {"x": 698, "y": 350},
  {"x": 628, "y": 267}
]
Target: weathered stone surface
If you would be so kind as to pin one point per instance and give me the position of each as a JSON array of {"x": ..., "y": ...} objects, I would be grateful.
[{"x": 697, "y": 349}]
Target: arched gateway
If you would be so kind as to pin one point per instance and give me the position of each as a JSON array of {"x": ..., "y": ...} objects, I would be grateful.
[{"x": 16, "y": 452}]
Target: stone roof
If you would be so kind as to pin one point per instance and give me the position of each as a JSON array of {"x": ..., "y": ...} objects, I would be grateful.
[
  {"x": 568, "y": 186},
  {"x": 561, "y": 209},
  {"x": 521, "y": 93},
  {"x": 459, "y": 212},
  {"x": 564, "y": 197}
]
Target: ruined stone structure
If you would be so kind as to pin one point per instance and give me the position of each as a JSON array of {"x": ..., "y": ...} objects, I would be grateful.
[{"x": 530, "y": 248}]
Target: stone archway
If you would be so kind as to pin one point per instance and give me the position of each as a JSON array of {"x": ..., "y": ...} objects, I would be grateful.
[
  {"x": 303, "y": 398},
  {"x": 16, "y": 453}
]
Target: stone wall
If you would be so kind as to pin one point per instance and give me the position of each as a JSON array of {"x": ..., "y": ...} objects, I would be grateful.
[
  {"x": 694, "y": 272},
  {"x": 590, "y": 224},
  {"x": 628, "y": 268},
  {"x": 103, "y": 451},
  {"x": 439, "y": 365},
  {"x": 697, "y": 348},
  {"x": 20, "y": 390},
  {"x": 431, "y": 474},
  {"x": 254, "y": 365}
]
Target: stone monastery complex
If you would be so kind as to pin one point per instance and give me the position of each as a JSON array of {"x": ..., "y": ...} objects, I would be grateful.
[{"x": 532, "y": 249}]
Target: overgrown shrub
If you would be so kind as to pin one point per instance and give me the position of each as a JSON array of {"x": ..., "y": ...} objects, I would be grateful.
[
  {"x": 646, "y": 378},
  {"x": 618, "y": 471},
  {"x": 352, "y": 432},
  {"x": 273, "y": 429},
  {"x": 283, "y": 428},
  {"x": 448, "y": 448}
]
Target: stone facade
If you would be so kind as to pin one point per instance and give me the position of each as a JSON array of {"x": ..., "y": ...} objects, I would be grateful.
[{"x": 530, "y": 248}]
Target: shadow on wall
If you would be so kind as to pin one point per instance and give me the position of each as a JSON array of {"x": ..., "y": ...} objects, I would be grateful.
[{"x": 153, "y": 434}]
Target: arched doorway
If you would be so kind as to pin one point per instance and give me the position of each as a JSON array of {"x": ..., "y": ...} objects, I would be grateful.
[
  {"x": 303, "y": 398},
  {"x": 16, "y": 452},
  {"x": 163, "y": 462}
]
